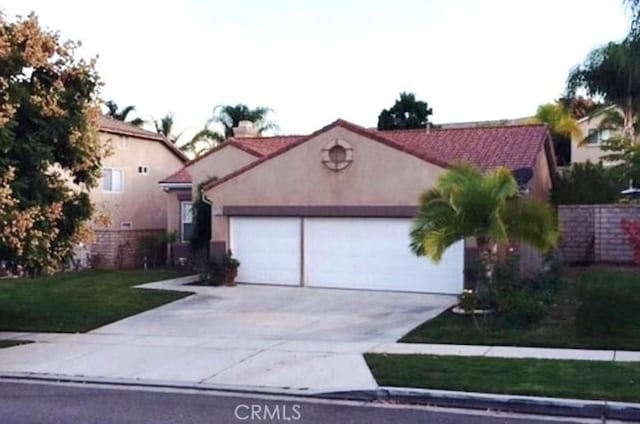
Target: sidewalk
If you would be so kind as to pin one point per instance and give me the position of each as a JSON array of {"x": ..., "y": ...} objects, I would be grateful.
[
  {"x": 389, "y": 348},
  {"x": 507, "y": 352}
]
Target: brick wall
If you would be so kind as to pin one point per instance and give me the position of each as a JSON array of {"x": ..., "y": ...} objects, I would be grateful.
[
  {"x": 577, "y": 232},
  {"x": 592, "y": 233},
  {"x": 114, "y": 249}
]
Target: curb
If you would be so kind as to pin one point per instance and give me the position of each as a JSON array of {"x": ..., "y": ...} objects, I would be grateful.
[{"x": 576, "y": 408}]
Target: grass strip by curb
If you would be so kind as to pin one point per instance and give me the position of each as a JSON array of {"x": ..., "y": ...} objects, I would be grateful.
[{"x": 594, "y": 380}]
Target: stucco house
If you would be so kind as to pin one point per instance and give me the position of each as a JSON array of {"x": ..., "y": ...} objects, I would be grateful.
[
  {"x": 588, "y": 146},
  {"x": 128, "y": 191},
  {"x": 334, "y": 208}
]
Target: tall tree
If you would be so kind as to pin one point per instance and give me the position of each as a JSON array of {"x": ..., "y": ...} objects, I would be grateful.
[
  {"x": 205, "y": 139},
  {"x": 562, "y": 125},
  {"x": 468, "y": 203},
  {"x": 48, "y": 137},
  {"x": 122, "y": 114},
  {"x": 406, "y": 113},
  {"x": 231, "y": 115},
  {"x": 612, "y": 72},
  {"x": 164, "y": 127}
]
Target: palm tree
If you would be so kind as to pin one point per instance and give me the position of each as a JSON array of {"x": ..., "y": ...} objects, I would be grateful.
[
  {"x": 165, "y": 127},
  {"x": 230, "y": 116},
  {"x": 563, "y": 127},
  {"x": 202, "y": 141},
  {"x": 612, "y": 72},
  {"x": 121, "y": 114},
  {"x": 467, "y": 203}
]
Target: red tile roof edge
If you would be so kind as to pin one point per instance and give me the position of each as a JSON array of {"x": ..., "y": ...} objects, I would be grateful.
[
  {"x": 337, "y": 123},
  {"x": 143, "y": 134},
  {"x": 182, "y": 170},
  {"x": 375, "y": 135}
]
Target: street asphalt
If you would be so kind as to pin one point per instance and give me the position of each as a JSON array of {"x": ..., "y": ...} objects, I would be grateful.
[{"x": 22, "y": 403}]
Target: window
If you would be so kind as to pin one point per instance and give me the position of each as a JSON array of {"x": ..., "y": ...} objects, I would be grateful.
[
  {"x": 125, "y": 225},
  {"x": 112, "y": 180},
  {"x": 143, "y": 169},
  {"x": 598, "y": 135},
  {"x": 186, "y": 220}
]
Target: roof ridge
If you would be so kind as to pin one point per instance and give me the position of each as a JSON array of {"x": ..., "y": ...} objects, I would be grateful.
[{"x": 470, "y": 127}]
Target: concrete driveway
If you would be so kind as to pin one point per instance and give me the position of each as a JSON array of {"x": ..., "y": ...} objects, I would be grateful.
[{"x": 276, "y": 337}]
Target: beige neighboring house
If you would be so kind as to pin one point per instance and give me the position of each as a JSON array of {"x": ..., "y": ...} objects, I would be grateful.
[
  {"x": 334, "y": 208},
  {"x": 589, "y": 146},
  {"x": 128, "y": 191}
]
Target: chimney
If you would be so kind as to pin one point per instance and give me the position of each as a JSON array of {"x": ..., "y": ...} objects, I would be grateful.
[{"x": 245, "y": 129}]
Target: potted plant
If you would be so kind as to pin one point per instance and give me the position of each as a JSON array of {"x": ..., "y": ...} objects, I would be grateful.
[{"x": 231, "y": 266}]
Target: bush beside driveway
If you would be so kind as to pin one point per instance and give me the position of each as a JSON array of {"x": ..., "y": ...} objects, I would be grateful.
[
  {"x": 596, "y": 309},
  {"x": 79, "y": 301}
]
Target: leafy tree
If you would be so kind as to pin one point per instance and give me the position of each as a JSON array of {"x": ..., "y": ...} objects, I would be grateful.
[
  {"x": 230, "y": 116},
  {"x": 612, "y": 72},
  {"x": 122, "y": 114},
  {"x": 467, "y": 203},
  {"x": 586, "y": 184},
  {"x": 406, "y": 113},
  {"x": 51, "y": 154},
  {"x": 624, "y": 155},
  {"x": 562, "y": 126},
  {"x": 579, "y": 107}
]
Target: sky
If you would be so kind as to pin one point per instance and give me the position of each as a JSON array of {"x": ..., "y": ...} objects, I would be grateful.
[{"x": 315, "y": 61}]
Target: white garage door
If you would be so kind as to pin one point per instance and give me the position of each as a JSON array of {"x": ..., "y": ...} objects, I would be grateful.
[
  {"x": 373, "y": 253},
  {"x": 268, "y": 250}
]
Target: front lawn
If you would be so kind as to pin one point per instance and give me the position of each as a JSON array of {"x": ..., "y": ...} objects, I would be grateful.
[
  {"x": 79, "y": 301},
  {"x": 534, "y": 377},
  {"x": 600, "y": 309}
]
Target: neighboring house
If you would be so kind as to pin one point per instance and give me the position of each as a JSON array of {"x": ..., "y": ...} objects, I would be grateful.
[
  {"x": 334, "y": 208},
  {"x": 128, "y": 191},
  {"x": 588, "y": 147}
]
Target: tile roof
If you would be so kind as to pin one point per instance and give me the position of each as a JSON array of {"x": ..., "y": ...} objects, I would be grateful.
[
  {"x": 257, "y": 146},
  {"x": 182, "y": 176},
  {"x": 266, "y": 145},
  {"x": 114, "y": 126},
  {"x": 512, "y": 146}
]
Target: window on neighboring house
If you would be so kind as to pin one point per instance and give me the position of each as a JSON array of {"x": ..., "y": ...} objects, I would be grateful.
[
  {"x": 125, "y": 225},
  {"x": 598, "y": 135},
  {"x": 186, "y": 220},
  {"x": 112, "y": 180},
  {"x": 143, "y": 170}
]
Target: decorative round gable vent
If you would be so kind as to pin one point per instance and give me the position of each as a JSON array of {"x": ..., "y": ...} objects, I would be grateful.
[{"x": 337, "y": 155}]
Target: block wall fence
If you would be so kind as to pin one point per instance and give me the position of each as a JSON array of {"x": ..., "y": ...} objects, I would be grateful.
[{"x": 593, "y": 233}]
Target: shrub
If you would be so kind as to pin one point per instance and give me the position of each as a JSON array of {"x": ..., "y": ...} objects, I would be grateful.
[
  {"x": 522, "y": 309},
  {"x": 586, "y": 184},
  {"x": 609, "y": 303},
  {"x": 212, "y": 273}
]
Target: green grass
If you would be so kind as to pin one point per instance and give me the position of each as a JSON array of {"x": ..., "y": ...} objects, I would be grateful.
[
  {"x": 611, "y": 296},
  {"x": 535, "y": 377},
  {"x": 79, "y": 301}
]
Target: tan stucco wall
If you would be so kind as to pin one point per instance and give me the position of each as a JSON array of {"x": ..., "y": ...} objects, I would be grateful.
[
  {"x": 142, "y": 202},
  {"x": 379, "y": 175},
  {"x": 542, "y": 182},
  {"x": 586, "y": 152},
  {"x": 217, "y": 164}
]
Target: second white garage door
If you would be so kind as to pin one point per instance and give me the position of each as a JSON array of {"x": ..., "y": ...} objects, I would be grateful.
[
  {"x": 373, "y": 253},
  {"x": 353, "y": 253}
]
